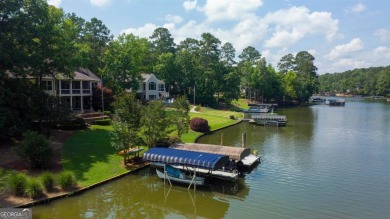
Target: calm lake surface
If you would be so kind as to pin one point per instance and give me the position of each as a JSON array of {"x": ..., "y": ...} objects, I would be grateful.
[{"x": 329, "y": 162}]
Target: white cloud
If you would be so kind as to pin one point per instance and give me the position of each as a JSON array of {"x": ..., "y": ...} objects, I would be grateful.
[
  {"x": 55, "y": 3},
  {"x": 274, "y": 56},
  {"x": 173, "y": 19},
  {"x": 313, "y": 52},
  {"x": 382, "y": 53},
  {"x": 383, "y": 34},
  {"x": 344, "y": 49},
  {"x": 293, "y": 24},
  {"x": 356, "y": 8},
  {"x": 218, "y": 10},
  {"x": 189, "y": 5},
  {"x": 349, "y": 64},
  {"x": 144, "y": 31},
  {"x": 284, "y": 38},
  {"x": 100, "y": 3}
]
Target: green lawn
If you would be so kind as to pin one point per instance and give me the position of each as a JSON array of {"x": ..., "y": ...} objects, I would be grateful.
[
  {"x": 89, "y": 154},
  {"x": 220, "y": 113},
  {"x": 216, "y": 118}
]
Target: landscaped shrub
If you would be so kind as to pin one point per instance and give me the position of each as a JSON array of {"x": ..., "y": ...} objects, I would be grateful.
[
  {"x": 66, "y": 180},
  {"x": 107, "y": 113},
  {"x": 232, "y": 117},
  {"x": 103, "y": 122},
  {"x": 34, "y": 188},
  {"x": 76, "y": 123},
  {"x": 47, "y": 180},
  {"x": 197, "y": 108},
  {"x": 36, "y": 149},
  {"x": 18, "y": 183},
  {"x": 199, "y": 125}
]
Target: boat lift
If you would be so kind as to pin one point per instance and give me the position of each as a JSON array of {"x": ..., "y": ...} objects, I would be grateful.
[{"x": 180, "y": 158}]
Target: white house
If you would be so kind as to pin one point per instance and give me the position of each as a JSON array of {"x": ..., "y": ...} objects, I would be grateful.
[
  {"x": 152, "y": 88},
  {"x": 75, "y": 93}
]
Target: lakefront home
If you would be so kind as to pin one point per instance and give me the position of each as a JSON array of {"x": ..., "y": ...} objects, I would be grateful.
[
  {"x": 151, "y": 88},
  {"x": 75, "y": 93}
]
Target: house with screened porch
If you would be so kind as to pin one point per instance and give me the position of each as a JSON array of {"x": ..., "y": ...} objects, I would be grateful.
[{"x": 75, "y": 93}]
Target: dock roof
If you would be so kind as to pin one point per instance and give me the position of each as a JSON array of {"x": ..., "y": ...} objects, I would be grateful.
[
  {"x": 186, "y": 158},
  {"x": 234, "y": 153}
]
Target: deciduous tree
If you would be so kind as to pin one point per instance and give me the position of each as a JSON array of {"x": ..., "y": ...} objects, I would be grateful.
[
  {"x": 126, "y": 123},
  {"x": 181, "y": 117},
  {"x": 155, "y": 123}
]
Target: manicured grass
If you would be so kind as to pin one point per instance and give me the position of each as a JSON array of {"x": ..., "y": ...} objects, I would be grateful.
[
  {"x": 216, "y": 118},
  {"x": 89, "y": 154},
  {"x": 220, "y": 113}
]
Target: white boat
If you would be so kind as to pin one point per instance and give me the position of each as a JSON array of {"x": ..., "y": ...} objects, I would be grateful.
[
  {"x": 175, "y": 175},
  {"x": 220, "y": 173}
]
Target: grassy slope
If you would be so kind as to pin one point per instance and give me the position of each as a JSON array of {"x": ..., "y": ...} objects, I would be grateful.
[
  {"x": 89, "y": 154},
  {"x": 216, "y": 118}
]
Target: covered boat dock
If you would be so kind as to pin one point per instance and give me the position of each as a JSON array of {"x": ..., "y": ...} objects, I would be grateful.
[
  {"x": 187, "y": 158},
  {"x": 235, "y": 153},
  {"x": 199, "y": 162}
]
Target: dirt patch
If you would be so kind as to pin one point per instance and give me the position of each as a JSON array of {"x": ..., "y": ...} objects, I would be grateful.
[{"x": 10, "y": 160}]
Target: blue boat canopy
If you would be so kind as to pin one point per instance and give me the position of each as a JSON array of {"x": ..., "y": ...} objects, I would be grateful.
[{"x": 186, "y": 158}]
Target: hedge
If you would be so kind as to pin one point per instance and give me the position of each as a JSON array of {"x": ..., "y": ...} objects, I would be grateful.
[{"x": 103, "y": 122}]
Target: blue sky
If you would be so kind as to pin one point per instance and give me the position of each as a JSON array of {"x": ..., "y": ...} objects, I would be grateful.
[{"x": 341, "y": 35}]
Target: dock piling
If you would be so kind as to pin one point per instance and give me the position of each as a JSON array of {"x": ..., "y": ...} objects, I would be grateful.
[{"x": 243, "y": 140}]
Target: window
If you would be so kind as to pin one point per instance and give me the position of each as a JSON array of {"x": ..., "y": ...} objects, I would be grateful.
[
  {"x": 47, "y": 85},
  {"x": 152, "y": 97},
  {"x": 86, "y": 87},
  {"x": 76, "y": 87},
  {"x": 152, "y": 86},
  {"x": 65, "y": 87},
  {"x": 161, "y": 87}
]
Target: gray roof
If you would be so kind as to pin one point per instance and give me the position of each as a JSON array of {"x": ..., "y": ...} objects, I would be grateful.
[
  {"x": 81, "y": 74},
  {"x": 146, "y": 77}
]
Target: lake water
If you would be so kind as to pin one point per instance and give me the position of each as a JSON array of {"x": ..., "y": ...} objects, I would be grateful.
[{"x": 328, "y": 162}]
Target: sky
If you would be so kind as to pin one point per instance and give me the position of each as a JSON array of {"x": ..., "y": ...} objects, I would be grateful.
[{"x": 341, "y": 34}]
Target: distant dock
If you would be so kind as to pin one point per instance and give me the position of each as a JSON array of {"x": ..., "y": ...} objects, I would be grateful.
[{"x": 271, "y": 120}]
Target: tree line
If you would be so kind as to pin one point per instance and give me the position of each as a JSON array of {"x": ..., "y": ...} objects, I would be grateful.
[
  {"x": 39, "y": 40},
  {"x": 374, "y": 81}
]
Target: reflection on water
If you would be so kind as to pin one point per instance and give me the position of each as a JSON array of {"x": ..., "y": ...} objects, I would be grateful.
[
  {"x": 328, "y": 162},
  {"x": 144, "y": 195}
]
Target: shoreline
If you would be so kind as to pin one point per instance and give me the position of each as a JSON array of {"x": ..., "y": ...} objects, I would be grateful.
[
  {"x": 79, "y": 191},
  {"x": 86, "y": 188}
]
